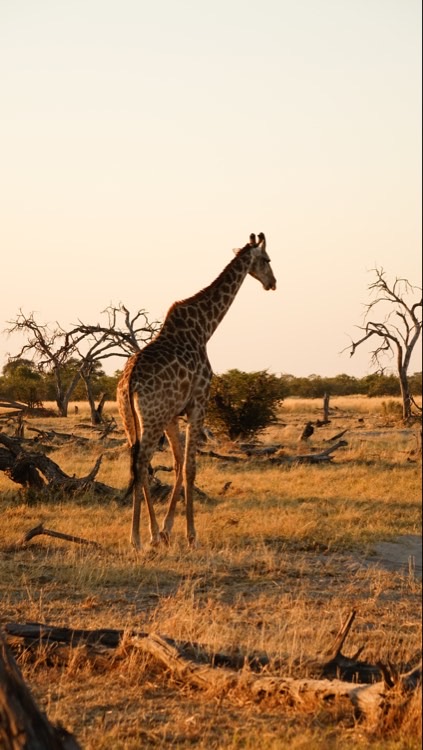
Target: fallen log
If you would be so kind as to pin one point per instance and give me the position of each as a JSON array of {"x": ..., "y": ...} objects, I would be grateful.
[
  {"x": 331, "y": 664},
  {"x": 59, "y": 438},
  {"x": 37, "y": 471},
  {"x": 9, "y": 403},
  {"x": 23, "y": 409},
  {"x": 213, "y": 454},
  {"x": 267, "y": 453},
  {"x": 338, "y": 436},
  {"x": 368, "y": 699},
  {"x": 364, "y": 685},
  {"x": 260, "y": 450},
  {"x": 309, "y": 458},
  {"x": 22, "y": 725}
]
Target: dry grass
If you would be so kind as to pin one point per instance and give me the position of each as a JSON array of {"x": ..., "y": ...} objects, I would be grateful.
[{"x": 281, "y": 560}]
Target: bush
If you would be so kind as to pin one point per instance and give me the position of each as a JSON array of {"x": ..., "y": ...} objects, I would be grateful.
[
  {"x": 243, "y": 404},
  {"x": 21, "y": 382}
]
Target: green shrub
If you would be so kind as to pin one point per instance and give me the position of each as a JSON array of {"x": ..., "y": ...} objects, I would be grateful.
[{"x": 243, "y": 404}]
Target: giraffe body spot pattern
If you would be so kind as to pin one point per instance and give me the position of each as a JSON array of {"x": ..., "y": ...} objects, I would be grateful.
[{"x": 171, "y": 378}]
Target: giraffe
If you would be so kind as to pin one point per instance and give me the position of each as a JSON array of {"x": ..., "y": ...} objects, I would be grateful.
[{"x": 170, "y": 378}]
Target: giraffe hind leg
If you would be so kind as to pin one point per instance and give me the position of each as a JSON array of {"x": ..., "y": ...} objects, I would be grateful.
[
  {"x": 141, "y": 490},
  {"x": 174, "y": 437}
]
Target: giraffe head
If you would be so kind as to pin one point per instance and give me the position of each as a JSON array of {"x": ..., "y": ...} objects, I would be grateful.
[{"x": 260, "y": 267}]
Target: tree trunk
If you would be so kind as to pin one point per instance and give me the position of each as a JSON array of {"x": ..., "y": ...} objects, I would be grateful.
[
  {"x": 95, "y": 417},
  {"x": 62, "y": 403},
  {"x": 405, "y": 394},
  {"x": 22, "y": 725},
  {"x": 63, "y": 396},
  {"x": 326, "y": 398},
  {"x": 100, "y": 406},
  {"x": 96, "y": 411}
]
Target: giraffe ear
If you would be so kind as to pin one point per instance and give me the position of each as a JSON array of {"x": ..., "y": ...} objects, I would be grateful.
[
  {"x": 262, "y": 241},
  {"x": 236, "y": 250}
]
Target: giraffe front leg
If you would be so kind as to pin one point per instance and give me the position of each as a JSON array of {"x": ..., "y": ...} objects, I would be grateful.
[{"x": 154, "y": 526}]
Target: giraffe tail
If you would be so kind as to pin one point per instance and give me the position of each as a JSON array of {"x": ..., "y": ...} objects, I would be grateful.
[
  {"x": 129, "y": 419},
  {"x": 133, "y": 466}
]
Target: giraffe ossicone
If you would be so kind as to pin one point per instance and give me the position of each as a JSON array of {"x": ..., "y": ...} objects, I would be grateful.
[{"x": 171, "y": 378}]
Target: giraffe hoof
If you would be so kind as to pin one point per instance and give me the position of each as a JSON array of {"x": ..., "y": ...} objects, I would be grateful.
[
  {"x": 165, "y": 537},
  {"x": 192, "y": 542}
]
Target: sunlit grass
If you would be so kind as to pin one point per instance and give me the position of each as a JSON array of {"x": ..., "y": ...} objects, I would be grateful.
[{"x": 281, "y": 559}]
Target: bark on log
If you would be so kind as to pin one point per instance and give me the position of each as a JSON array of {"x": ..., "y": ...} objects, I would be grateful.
[
  {"x": 22, "y": 725},
  {"x": 213, "y": 454},
  {"x": 368, "y": 699},
  {"x": 310, "y": 458},
  {"x": 260, "y": 450},
  {"x": 336, "y": 437},
  {"x": 331, "y": 664},
  {"x": 57, "y": 437},
  {"x": 306, "y": 458},
  {"x": 244, "y": 676},
  {"x": 9, "y": 403},
  {"x": 39, "y": 472},
  {"x": 20, "y": 408}
]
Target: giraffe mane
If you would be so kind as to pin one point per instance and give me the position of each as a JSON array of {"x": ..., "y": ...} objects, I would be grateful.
[{"x": 195, "y": 297}]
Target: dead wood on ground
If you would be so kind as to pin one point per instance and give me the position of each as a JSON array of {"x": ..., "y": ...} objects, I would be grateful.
[
  {"x": 39, "y": 530},
  {"x": 336, "y": 437},
  {"x": 221, "y": 456},
  {"x": 32, "y": 469},
  {"x": 267, "y": 453},
  {"x": 309, "y": 458},
  {"x": 366, "y": 686}
]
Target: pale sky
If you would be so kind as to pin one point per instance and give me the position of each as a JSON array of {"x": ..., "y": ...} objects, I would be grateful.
[{"x": 142, "y": 141}]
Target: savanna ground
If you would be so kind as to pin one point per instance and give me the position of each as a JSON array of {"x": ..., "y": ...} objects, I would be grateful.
[{"x": 284, "y": 554}]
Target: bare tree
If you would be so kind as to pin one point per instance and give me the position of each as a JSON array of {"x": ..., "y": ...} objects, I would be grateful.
[
  {"x": 399, "y": 331},
  {"x": 53, "y": 349}
]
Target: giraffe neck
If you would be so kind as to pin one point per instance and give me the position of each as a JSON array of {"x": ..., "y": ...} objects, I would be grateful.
[{"x": 198, "y": 317}]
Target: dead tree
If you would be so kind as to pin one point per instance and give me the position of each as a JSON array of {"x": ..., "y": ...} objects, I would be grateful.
[
  {"x": 87, "y": 371},
  {"x": 326, "y": 399},
  {"x": 398, "y": 331},
  {"x": 84, "y": 346}
]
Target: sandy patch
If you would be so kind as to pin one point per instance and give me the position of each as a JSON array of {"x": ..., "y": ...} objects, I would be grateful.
[{"x": 404, "y": 555}]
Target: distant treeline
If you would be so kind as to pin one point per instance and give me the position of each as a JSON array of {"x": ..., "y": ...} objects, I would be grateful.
[
  {"x": 22, "y": 381},
  {"x": 315, "y": 386}
]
